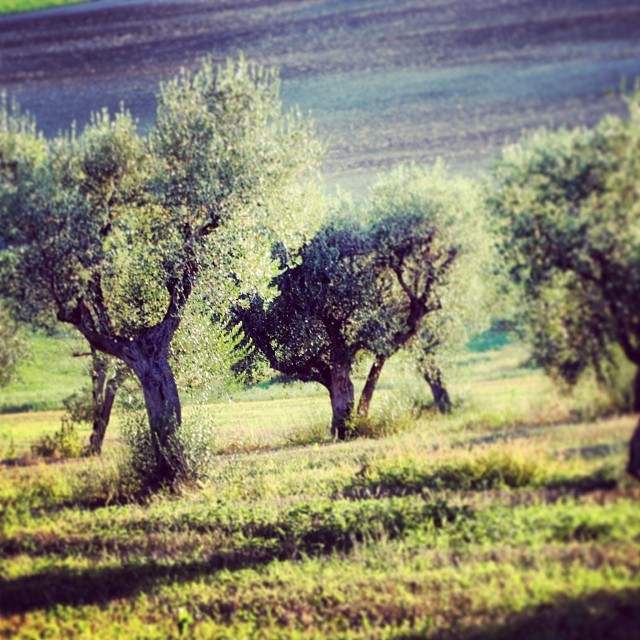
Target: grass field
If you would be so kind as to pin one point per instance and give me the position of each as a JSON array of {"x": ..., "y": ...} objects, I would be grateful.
[
  {"x": 48, "y": 375},
  {"x": 512, "y": 517},
  {"x": 20, "y": 6}
]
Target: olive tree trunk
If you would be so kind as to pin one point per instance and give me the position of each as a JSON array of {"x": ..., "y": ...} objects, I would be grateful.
[
  {"x": 364, "y": 403},
  {"x": 102, "y": 415},
  {"x": 148, "y": 357},
  {"x": 104, "y": 390},
  {"x": 342, "y": 399},
  {"x": 164, "y": 412},
  {"x": 441, "y": 399}
]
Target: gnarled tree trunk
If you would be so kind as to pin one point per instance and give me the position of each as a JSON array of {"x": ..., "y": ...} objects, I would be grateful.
[
  {"x": 149, "y": 359},
  {"x": 441, "y": 399},
  {"x": 342, "y": 399},
  {"x": 370, "y": 386},
  {"x": 104, "y": 394},
  {"x": 165, "y": 417}
]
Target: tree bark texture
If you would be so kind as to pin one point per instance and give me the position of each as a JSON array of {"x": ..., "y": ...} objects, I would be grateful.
[
  {"x": 165, "y": 417},
  {"x": 104, "y": 390},
  {"x": 148, "y": 357},
  {"x": 342, "y": 399},
  {"x": 441, "y": 399},
  {"x": 370, "y": 385}
]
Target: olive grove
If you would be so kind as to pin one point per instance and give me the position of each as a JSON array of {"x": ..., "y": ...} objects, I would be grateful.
[
  {"x": 402, "y": 272},
  {"x": 123, "y": 234}
]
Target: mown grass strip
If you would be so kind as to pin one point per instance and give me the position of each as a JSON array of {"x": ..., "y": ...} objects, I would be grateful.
[{"x": 380, "y": 592}]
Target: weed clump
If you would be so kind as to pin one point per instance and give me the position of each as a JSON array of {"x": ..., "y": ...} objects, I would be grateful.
[
  {"x": 393, "y": 418},
  {"x": 64, "y": 443},
  {"x": 491, "y": 470},
  {"x": 315, "y": 433}
]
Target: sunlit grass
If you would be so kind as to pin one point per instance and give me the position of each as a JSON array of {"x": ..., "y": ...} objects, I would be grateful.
[
  {"x": 510, "y": 517},
  {"x": 48, "y": 375},
  {"x": 19, "y": 6}
]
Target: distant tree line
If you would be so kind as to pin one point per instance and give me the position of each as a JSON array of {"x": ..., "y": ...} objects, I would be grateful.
[{"x": 208, "y": 241}]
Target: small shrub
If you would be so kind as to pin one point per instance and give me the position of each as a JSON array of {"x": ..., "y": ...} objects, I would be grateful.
[
  {"x": 107, "y": 482},
  {"x": 137, "y": 438},
  {"x": 197, "y": 439},
  {"x": 309, "y": 434},
  {"x": 194, "y": 440},
  {"x": 486, "y": 471},
  {"x": 79, "y": 406},
  {"x": 394, "y": 417},
  {"x": 64, "y": 443}
]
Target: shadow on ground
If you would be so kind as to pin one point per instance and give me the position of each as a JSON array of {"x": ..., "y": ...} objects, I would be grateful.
[
  {"x": 99, "y": 586},
  {"x": 599, "y": 616}
]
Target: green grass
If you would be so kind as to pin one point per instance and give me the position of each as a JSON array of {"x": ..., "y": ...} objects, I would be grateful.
[
  {"x": 511, "y": 517},
  {"x": 48, "y": 375},
  {"x": 19, "y": 6}
]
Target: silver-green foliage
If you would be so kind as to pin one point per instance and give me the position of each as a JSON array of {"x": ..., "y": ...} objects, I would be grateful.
[
  {"x": 432, "y": 239},
  {"x": 194, "y": 441},
  {"x": 568, "y": 206},
  {"x": 135, "y": 239},
  {"x": 406, "y": 270}
]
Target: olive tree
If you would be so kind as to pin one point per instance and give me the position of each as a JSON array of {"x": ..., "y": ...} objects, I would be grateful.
[
  {"x": 568, "y": 206},
  {"x": 121, "y": 234},
  {"x": 392, "y": 277},
  {"x": 432, "y": 250},
  {"x": 325, "y": 313}
]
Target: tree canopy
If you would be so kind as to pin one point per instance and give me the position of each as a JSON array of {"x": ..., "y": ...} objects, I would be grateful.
[
  {"x": 123, "y": 234},
  {"x": 433, "y": 250},
  {"x": 568, "y": 206},
  {"x": 374, "y": 279},
  {"x": 324, "y": 314}
]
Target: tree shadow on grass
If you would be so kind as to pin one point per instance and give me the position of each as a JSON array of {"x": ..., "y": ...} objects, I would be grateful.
[
  {"x": 100, "y": 585},
  {"x": 599, "y": 616},
  {"x": 518, "y": 430},
  {"x": 310, "y": 531},
  {"x": 594, "y": 452}
]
